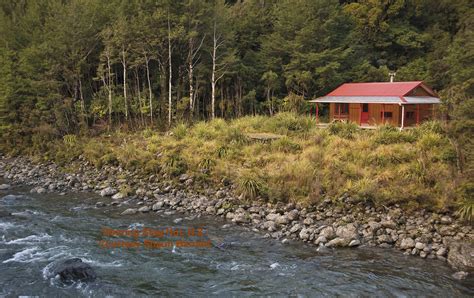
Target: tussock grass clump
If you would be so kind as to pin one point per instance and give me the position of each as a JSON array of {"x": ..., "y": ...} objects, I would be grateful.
[
  {"x": 386, "y": 134},
  {"x": 286, "y": 145},
  {"x": 250, "y": 185},
  {"x": 345, "y": 130},
  {"x": 180, "y": 131}
]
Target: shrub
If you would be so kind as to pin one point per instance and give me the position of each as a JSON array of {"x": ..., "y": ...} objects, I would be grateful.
[
  {"x": 152, "y": 166},
  {"x": 180, "y": 131},
  {"x": 250, "y": 185},
  {"x": 125, "y": 189},
  {"x": 282, "y": 123},
  {"x": 286, "y": 145},
  {"x": 234, "y": 136},
  {"x": 222, "y": 151},
  {"x": 70, "y": 140},
  {"x": 174, "y": 164},
  {"x": 365, "y": 188},
  {"x": 343, "y": 130},
  {"x": 95, "y": 152},
  {"x": 206, "y": 163},
  {"x": 387, "y": 134},
  {"x": 466, "y": 205}
]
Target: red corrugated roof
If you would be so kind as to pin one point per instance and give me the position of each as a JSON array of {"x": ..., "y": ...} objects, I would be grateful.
[{"x": 375, "y": 89}]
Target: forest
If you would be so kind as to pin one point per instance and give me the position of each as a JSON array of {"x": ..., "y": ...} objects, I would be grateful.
[
  {"x": 120, "y": 81},
  {"x": 68, "y": 66}
]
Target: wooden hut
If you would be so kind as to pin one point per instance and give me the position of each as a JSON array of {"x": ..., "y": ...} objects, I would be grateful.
[{"x": 368, "y": 104}]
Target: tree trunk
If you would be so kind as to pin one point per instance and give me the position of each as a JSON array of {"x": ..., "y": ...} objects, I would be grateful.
[
  {"x": 170, "y": 75},
  {"x": 124, "y": 64},
  {"x": 139, "y": 97},
  {"x": 191, "y": 89},
  {"x": 149, "y": 88},
  {"x": 269, "y": 101},
  {"x": 83, "y": 104},
  {"x": 213, "y": 78},
  {"x": 109, "y": 89}
]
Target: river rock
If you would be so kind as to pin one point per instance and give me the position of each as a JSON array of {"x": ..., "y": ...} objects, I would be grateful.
[
  {"x": 282, "y": 220},
  {"x": 4, "y": 186},
  {"x": 293, "y": 215},
  {"x": 348, "y": 232},
  {"x": 304, "y": 234},
  {"x": 338, "y": 242},
  {"x": 72, "y": 270},
  {"x": 295, "y": 228},
  {"x": 461, "y": 255},
  {"x": 328, "y": 233},
  {"x": 240, "y": 218},
  {"x": 4, "y": 213},
  {"x": 108, "y": 191},
  {"x": 460, "y": 275},
  {"x": 355, "y": 242},
  {"x": 130, "y": 211},
  {"x": 320, "y": 239},
  {"x": 441, "y": 252},
  {"x": 407, "y": 243},
  {"x": 272, "y": 216},
  {"x": 157, "y": 206},
  {"x": 40, "y": 190},
  {"x": 419, "y": 246},
  {"x": 446, "y": 220},
  {"x": 118, "y": 196},
  {"x": 220, "y": 194},
  {"x": 144, "y": 209}
]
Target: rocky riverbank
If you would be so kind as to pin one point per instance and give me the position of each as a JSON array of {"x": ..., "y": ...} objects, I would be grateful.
[{"x": 341, "y": 222}]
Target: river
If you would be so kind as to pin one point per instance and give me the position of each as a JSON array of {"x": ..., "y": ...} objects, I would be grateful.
[{"x": 48, "y": 228}]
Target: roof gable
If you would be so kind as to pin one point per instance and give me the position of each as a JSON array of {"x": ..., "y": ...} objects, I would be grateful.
[{"x": 378, "y": 89}]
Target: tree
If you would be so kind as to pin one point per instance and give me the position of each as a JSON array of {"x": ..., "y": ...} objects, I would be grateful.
[
  {"x": 271, "y": 82},
  {"x": 221, "y": 55}
]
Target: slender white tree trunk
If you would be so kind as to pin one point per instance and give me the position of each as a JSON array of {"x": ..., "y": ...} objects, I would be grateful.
[
  {"x": 170, "y": 75},
  {"x": 191, "y": 88},
  {"x": 109, "y": 88},
  {"x": 213, "y": 75},
  {"x": 149, "y": 88},
  {"x": 124, "y": 64}
]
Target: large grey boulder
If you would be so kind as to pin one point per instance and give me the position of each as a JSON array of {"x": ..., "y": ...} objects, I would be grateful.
[
  {"x": 4, "y": 186},
  {"x": 348, "y": 231},
  {"x": 407, "y": 243},
  {"x": 108, "y": 191},
  {"x": 461, "y": 255},
  {"x": 328, "y": 233},
  {"x": 129, "y": 211},
  {"x": 72, "y": 270},
  {"x": 339, "y": 242}
]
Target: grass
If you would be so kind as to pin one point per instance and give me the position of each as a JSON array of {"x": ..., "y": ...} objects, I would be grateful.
[{"x": 414, "y": 168}]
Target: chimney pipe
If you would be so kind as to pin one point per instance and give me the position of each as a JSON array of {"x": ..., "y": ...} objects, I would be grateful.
[{"x": 392, "y": 76}]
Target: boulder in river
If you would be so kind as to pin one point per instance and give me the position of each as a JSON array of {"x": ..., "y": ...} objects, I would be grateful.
[
  {"x": 72, "y": 270},
  {"x": 108, "y": 191},
  {"x": 461, "y": 255},
  {"x": 4, "y": 186},
  {"x": 129, "y": 211},
  {"x": 4, "y": 213}
]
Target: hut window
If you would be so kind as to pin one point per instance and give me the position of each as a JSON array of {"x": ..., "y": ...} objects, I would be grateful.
[
  {"x": 410, "y": 115},
  {"x": 342, "y": 108},
  {"x": 386, "y": 114}
]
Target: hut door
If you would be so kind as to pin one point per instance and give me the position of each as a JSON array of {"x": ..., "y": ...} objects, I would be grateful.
[{"x": 364, "y": 115}]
